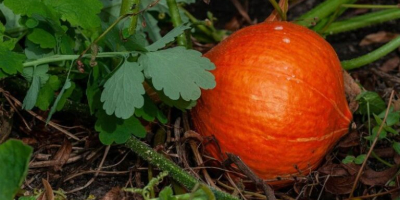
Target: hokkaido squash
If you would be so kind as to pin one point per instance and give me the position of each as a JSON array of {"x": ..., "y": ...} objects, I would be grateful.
[{"x": 279, "y": 103}]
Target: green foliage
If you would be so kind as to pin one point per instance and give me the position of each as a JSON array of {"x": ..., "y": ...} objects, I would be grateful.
[
  {"x": 113, "y": 129},
  {"x": 11, "y": 62},
  {"x": 37, "y": 76},
  {"x": 53, "y": 33},
  {"x": 178, "y": 79},
  {"x": 14, "y": 162},
  {"x": 357, "y": 160},
  {"x": 43, "y": 38},
  {"x": 47, "y": 92},
  {"x": 370, "y": 102}
]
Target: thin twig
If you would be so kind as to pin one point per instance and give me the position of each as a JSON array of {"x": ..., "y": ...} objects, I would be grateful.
[
  {"x": 18, "y": 113},
  {"x": 52, "y": 124},
  {"x": 372, "y": 146},
  {"x": 242, "y": 11},
  {"x": 95, "y": 175},
  {"x": 246, "y": 170}
]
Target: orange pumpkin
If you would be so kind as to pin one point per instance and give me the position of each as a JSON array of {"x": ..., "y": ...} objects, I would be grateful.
[{"x": 279, "y": 103}]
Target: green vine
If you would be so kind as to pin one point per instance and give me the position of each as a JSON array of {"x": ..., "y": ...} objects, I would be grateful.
[
  {"x": 372, "y": 56},
  {"x": 166, "y": 165}
]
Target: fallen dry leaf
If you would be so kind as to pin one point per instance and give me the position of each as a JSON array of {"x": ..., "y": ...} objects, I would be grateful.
[
  {"x": 396, "y": 104},
  {"x": 62, "y": 155},
  {"x": 113, "y": 194},
  {"x": 333, "y": 169},
  {"x": 379, "y": 37},
  {"x": 371, "y": 177},
  {"x": 48, "y": 194},
  {"x": 390, "y": 64},
  {"x": 339, "y": 185},
  {"x": 341, "y": 169},
  {"x": 350, "y": 140},
  {"x": 352, "y": 90},
  {"x": 397, "y": 158}
]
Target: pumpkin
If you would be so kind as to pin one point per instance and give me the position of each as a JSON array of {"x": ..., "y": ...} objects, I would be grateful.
[{"x": 279, "y": 103}]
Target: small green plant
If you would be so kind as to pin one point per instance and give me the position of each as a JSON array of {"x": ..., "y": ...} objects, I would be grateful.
[{"x": 372, "y": 105}]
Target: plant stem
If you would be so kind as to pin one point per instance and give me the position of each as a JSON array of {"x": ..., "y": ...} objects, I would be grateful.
[
  {"x": 166, "y": 165},
  {"x": 57, "y": 58},
  {"x": 322, "y": 11},
  {"x": 363, "y": 20},
  {"x": 176, "y": 21},
  {"x": 278, "y": 9},
  {"x": 373, "y": 154},
  {"x": 130, "y": 6},
  {"x": 372, "y": 56},
  {"x": 370, "y": 6}
]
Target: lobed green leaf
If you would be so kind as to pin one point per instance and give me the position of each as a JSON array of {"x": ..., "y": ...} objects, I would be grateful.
[
  {"x": 123, "y": 92},
  {"x": 178, "y": 72}
]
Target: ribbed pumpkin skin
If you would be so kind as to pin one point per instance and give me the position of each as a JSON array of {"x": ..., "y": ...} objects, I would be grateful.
[{"x": 279, "y": 103}]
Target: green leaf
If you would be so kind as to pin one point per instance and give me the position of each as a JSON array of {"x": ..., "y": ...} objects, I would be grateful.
[
  {"x": 151, "y": 26},
  {"x": 11, "y": 62},
  {"x": 382, "y": 135},
  {"x": 178, "y": 72},
  {"x": 166, "y": 193},
  {"x": 348, "y": 159},
  {"x": 67, "y": 93},
  {"x": 376, "y": 104},
  {"x": 117, "y": 130},
  {"x": 33, "y": 51},
  {"x": 180, "y": 103},
  {"x": 32, "y": 94},
  {"x": 360, "y": 159},
  {"x": 11, "y": 18},
  {"x": 169, "y": 37},
  {"x": 2, "y": 28},
  {"x": 43, "y": 38},
  {"x": 150, "y": 112},
  {"x": 396, "y": 147},
  {"x": 93, "y": 92},
  {"x": 22, "y": 7},
  {"x": 123, "y": 92},
  {"x": 79, "y": 13},
  {"x": 31, "y": 23},
  {"x": 393, "y": 117},
  {"x": 38, "y": 76},
  {"x": 47, "y": 92},
  {"x": 31, "y": 7},
  {"x": 14, "y": 162},
  {"x": 39, "y": 71},
  {"x": 66, "y": 85}
]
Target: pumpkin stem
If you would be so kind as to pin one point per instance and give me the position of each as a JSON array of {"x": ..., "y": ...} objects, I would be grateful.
[{"x": 279, "y": 14}]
